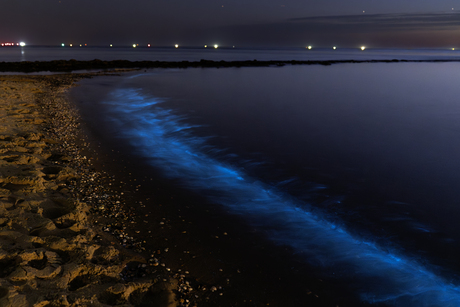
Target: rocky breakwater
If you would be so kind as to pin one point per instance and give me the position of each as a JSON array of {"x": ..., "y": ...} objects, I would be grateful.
[
  {"x": 49, "y": 253},
  {"x": 74, "y": 65}
]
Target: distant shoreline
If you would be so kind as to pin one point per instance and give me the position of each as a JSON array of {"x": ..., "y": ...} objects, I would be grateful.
[{"x": 74, "y": 65}]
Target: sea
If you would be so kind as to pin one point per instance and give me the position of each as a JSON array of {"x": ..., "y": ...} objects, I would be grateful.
[{"x": 354, "y": 166}]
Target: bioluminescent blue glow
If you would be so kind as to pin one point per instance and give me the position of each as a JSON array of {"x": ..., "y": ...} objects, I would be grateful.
[{"x": 378, "y": 274}]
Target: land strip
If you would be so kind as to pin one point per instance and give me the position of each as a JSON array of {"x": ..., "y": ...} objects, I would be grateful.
[{"x": 74, "y": 65}]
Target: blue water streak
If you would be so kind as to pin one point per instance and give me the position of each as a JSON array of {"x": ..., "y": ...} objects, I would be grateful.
[{"x": 379, "y": 275}]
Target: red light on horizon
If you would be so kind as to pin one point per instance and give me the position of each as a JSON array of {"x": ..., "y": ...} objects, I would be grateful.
[{"x": 10, "y": 44}]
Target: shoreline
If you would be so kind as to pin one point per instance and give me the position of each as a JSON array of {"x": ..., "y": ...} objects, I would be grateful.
[
  {"x": 136, "y": 240},
  {"x": 218, "y": 248}
]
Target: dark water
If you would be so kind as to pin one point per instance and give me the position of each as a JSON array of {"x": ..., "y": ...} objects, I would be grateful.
[{"x": 355, "y": 166}]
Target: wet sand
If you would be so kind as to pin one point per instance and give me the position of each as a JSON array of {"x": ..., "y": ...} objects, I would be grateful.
[{"x": 84, "y": 224}]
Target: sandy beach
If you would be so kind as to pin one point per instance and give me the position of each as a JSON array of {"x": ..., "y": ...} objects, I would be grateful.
[{"x": 49, "y": 254}]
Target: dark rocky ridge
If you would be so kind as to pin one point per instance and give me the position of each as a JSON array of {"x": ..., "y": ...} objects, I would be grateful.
[{"x": 72, "y": 65}]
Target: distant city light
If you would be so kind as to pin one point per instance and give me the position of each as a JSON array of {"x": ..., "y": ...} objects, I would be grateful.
[
  {"x": 334, "y": 47},
  {"x": 8, "y": 44},
  {"x": 80, "y": 45},
  {"x": 62, "y": 44},
  {"x": 176, "y": 46},
  {"x": 71, "y": 45},
  {"x": 363, "y": 47},
  {"x": 205, "y": 46},
  {"x": 309, "y": 47},
  {"x": 453, "y": 48},
  {"x": 233, "y": 46},
  {"x": 134, "y": 46},
  {"x": 216, "y": 46},
  {"x": 111, "y": 45},
  {"x": 148, "y": 45}
]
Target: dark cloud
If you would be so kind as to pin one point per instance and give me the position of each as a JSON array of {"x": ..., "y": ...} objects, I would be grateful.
[
  {"x": 379, "y": 30},
  {"x": 372, "y": 22}
]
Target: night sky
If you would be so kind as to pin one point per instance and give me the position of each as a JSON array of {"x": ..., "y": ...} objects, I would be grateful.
[{"x": 244, "y": 23}]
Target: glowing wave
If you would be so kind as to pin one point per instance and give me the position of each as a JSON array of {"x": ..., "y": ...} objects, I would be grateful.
[{"x": 378, "y": 275}]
